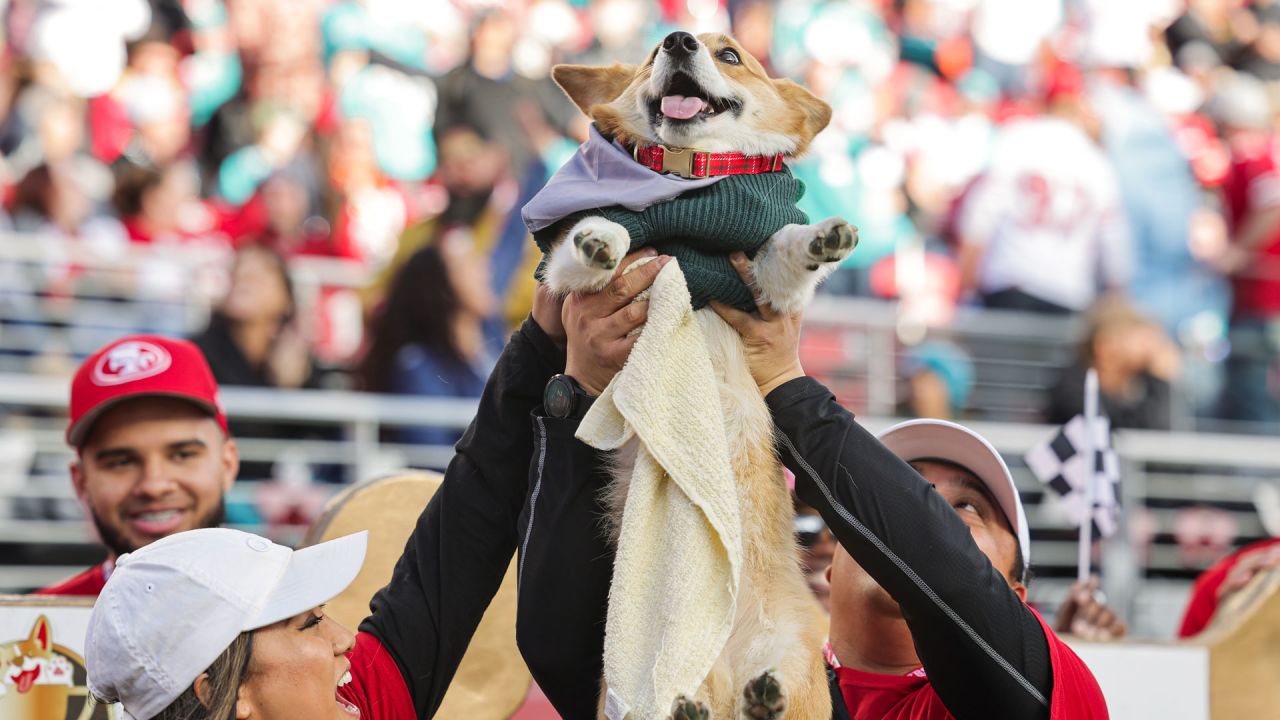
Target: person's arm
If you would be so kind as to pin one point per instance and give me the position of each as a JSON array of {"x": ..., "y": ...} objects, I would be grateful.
[
  {"x": 983, "y": 649},
  {"x": 464, "y": 540},
  {"x": 566, "y": 562}
]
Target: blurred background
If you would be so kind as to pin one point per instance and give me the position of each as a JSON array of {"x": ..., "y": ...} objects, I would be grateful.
[{"x": 325, "y": 196}]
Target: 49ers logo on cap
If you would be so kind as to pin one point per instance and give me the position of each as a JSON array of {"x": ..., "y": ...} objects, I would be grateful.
[{"x": 129, "y": 361}]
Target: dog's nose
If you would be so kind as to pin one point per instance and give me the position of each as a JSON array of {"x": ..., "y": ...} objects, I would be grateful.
[{"x": 680, "y": 44}]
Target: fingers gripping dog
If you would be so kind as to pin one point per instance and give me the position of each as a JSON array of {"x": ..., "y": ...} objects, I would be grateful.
[{"x": 686, "y": 154}]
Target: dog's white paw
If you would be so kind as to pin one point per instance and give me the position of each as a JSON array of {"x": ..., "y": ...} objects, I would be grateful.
[
  {"x": 587, "y": 257},
  {"x": 833, "y": 240},
  {"x": 797, "y": 258},
  {"x": 600, "y": 243}
]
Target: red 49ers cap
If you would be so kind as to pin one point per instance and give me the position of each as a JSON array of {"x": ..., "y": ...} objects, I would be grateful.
[{"x": 140, "y": 366}]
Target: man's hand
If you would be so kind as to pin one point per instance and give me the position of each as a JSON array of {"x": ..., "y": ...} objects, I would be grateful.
[
  {"x": 1085, "y": 614},
  {"x": 1248, "y": 566},
  {"x": 597, "y": 324},
  {"x": 772, "y": 339}
]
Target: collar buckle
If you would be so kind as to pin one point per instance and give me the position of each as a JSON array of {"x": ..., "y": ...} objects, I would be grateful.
[{"x": 678, "y": 161}]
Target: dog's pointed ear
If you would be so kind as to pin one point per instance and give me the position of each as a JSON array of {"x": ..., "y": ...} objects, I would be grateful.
[
  {"x": 40, "y": 634},
  {"x": 588, "y": 85},
  {"x": 814, "y": 112}
]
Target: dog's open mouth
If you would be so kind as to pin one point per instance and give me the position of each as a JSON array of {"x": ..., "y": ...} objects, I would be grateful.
[{"x": 685, "y": 100}]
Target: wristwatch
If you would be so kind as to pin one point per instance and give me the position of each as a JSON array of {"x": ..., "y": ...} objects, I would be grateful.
[{"x": 563, "y": 397}]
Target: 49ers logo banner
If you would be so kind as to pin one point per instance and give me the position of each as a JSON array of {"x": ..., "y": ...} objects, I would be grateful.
[{"x": 41, "y": 676}]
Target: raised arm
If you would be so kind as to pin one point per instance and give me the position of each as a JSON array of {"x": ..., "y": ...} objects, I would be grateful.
[
  {"x": 983, "y": 649},
  {"x": 566, "y": 561},
  {"x": 459, "y": 551}
]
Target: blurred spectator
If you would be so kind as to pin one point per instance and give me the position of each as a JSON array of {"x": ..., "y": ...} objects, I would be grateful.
[
  {"x": 1216, "y": 25},
  {"x": 50, "y": 201},
  {"x": 160, "y": 205},
  {"x": 283, "y": 215},
  {"x": 1136, "y": 366},
  {"x": 1251, "y": 196},
  {"x": 622, "y": 31},
  {"x": 372, "y": 210},
  {"x": 1262, "y": 59},
  {"x": 486, "y": 93},
  {"x": 939, "y": 380},
  {"x": 1163, "y": 203},
  {"x": 1045, "y": 220},
  {"x": 483, "y": 201},
  {"x": 252, "y": 337},
  {"x": 429, "y": 337},
  {"x": 1226, "y": 577}
]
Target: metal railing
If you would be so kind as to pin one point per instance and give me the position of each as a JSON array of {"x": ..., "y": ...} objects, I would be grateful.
[{"x": 1162, "y": 472}]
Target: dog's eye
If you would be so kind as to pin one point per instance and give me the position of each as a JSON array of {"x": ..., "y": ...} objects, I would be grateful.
[{"x": 729, "y": 56}]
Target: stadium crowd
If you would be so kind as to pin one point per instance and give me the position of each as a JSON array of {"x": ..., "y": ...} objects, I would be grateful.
[
  {"x": 1035, "y": 154},
  {"x": 1108, "y": 162}
]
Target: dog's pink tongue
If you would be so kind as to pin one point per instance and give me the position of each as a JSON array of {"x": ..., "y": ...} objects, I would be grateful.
[{"x": 681, "y": 107}]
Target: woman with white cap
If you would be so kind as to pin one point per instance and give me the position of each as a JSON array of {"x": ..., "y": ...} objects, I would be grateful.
[{"x": 219, "y": 623}]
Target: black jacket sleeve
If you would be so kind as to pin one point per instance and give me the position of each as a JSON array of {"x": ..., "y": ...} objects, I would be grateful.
[
  {"x": 459, "y": 551},
  {"x": 985, "y": 652},
  {"x": 565, "y": 567}
]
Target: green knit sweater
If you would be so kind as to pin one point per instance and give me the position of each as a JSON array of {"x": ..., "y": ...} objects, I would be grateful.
[{"x": 701, "y": 227}]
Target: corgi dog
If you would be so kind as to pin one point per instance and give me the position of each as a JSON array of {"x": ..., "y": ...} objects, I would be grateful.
[{"x": 706, "y": 95}]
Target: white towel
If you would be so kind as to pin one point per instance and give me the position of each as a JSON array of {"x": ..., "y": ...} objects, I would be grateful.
[{"x": 677, "y": 567}]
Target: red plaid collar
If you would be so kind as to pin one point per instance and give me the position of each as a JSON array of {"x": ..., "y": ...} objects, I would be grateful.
[{"x": 688, "y": 163}]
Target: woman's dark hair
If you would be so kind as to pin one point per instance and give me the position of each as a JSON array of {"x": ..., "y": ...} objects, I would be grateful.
[
  {"x": 133, "y": 181},
  {"x": 35, "y": 191},
  {"x": 419, "y": 309},
  {"x": 278, "y": 264}
]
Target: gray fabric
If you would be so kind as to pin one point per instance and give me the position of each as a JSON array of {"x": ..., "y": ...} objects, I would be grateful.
[{"x": 603, "y": 174}]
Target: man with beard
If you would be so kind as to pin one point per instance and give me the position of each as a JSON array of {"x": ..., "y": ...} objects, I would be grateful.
[{"x": 153, "y": 456}]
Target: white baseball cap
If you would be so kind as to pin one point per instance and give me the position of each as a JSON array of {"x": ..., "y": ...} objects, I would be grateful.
[
  {"x": 928, "y": 439},
  {"x": 170, "y": 609}
]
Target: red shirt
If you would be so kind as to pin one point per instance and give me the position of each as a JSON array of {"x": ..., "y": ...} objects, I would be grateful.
[
  {"x": 871, "y": 696},
  {"x": 1204, "y": 594},
  {"x": 88, "y": 583},
  {"x": 1253, "y": 185},
  {"x": 376, "y": 686}
]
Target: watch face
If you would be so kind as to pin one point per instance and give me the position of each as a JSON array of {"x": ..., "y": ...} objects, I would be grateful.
[{"x": 559, "y": 397}]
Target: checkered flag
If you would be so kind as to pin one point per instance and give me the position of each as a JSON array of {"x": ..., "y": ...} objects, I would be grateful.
[{"x": 1060, "y": 464}]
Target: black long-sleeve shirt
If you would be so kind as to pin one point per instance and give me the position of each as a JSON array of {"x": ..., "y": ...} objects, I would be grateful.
[
  {"x": 459, "y": 551},
  {"x": 984, "y": 651}
]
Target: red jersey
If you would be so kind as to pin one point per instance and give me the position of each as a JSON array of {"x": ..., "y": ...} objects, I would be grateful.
[
  {"x": 1204, "y": 594},
  {"x": 871, "y": 696},
  {"x": 1253, "y": 185},
  {"x": 376, "y": 686},
  {"x": 88, "y": 583}
]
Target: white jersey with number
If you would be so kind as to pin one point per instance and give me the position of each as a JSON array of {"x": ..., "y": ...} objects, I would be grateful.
[{"x": 1049, "y": 214}]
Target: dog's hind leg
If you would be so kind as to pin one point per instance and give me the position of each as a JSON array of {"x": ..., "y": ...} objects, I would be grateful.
[
  {"x": 797, "y": 258},
  {"x": 794, "y": 686}
]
